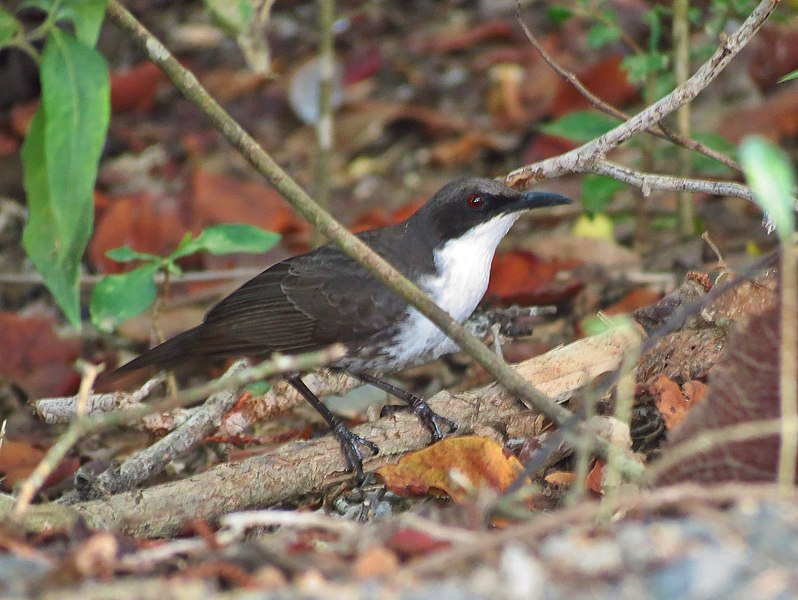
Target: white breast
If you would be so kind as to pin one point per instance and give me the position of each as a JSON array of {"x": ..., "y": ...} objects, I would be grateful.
[{"x": 463, "y": 271}]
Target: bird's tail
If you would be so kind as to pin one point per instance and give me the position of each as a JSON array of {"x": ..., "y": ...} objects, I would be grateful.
[{"x": 174, "y": 352}]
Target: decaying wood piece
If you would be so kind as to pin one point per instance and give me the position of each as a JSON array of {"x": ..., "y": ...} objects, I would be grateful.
[
  {"x": 301, "y": 467},
  {"x": 63, "y": 409}
]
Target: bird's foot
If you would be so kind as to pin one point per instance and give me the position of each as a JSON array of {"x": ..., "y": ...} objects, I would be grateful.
[
  {"x": 431, "y": 420},
  {"x": 351, "y": 446}
]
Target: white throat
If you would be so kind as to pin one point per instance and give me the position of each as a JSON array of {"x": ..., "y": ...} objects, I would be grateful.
[
  {"x": 463, "y": 266},
  {"x": 463, "y": 271}
]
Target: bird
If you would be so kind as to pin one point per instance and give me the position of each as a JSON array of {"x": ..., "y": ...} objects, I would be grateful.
[{"x": 310, "y": 301}]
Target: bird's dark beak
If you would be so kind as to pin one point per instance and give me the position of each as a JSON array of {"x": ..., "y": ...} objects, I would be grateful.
[{"x": 540, "y": 199}]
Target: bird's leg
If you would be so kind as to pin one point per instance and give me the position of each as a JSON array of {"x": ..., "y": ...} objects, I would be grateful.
[
  {"x": 350, "y": 442},
  {"x": 417, "y": 405}
]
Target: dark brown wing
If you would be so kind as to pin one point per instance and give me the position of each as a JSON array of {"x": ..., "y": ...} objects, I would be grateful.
[{"x": 301, "y": 304}]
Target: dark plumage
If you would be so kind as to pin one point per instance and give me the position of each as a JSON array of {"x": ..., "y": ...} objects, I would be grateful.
[{"x": 310, "y": 301}]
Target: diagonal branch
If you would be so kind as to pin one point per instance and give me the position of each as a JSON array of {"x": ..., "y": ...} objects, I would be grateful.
[
  {"x": 656, "y": 129},
  {"x": 582, "y": 158},
  {"x": 187, "y": 83}
]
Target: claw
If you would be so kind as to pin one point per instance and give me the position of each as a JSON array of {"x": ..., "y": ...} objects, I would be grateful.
[
  {"x": 351, "y": 444},
  {"x": 431, "y": 420}
]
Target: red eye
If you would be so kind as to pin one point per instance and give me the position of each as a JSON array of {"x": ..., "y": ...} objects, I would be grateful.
[{"x": 475, "y": 201}]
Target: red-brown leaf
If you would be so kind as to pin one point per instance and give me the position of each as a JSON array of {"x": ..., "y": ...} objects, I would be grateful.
[{"x": 523, "y": 278}]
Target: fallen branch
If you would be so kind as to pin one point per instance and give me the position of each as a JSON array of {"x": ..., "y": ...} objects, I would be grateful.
[
  {"x": 153, "y": 460},
  {"x": 303, "y": 467},
  {"x": 82, "y": 426},
  {"x": 280, "y": 397}
]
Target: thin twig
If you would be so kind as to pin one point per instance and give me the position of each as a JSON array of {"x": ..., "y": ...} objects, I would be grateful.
[
  {"x": 788, "y": 367},
  {"x": 324, "y": 125},
  {"x": 90, "y": 280},
  {"x": 650, "y": 181},
  {"x": 681, "y": 68},
  {"x": 656, "y": 129},
  {"x": 580, "y": 159}
]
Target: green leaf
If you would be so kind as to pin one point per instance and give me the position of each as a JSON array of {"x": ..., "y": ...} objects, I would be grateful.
[
  {"x": 597, "y": 191},
  {"x": 9, "y": 26},
  {"x": 76, "y": 102},
  {"x": 601, "y": 34},
  {"x": 57, "y": 258},
  {"x": 558, "y": 14},
  {"x": 60, "y": 158},
  {"x": 117, "y": 298},
  {"x": 653, "y": 18},
  {"x": 772, "y": 179},
  {"x": 234, "y": 17},
  {"x": 580, "y": 126},
  {"x": 789, "y": 76},
  {"x": 228, "y": 238},
  {"x": 596, "y": 326},
  {"x": 86, "y": 15},
  {"x": 127, "y": 254},
  {"x": 639, "y": 66},
  {"x": 188, "y": 245}
]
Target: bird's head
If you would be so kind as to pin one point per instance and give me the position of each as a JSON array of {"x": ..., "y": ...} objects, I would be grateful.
[{"x": 464, "y": 205}]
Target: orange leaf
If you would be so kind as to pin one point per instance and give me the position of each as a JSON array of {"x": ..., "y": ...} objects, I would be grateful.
[
  {"x": 482, "y": 461},
  {"x": 559, "y": 478},
  {"x": 36, "y": 357},
  {"x": 134, "y": 88},
  {"x": 409, "y": 542},
  {"x": 673, "y": 402},
  {"x": 594, "y": 478},
  {"x": 637, "y": 298},
  {"x": 377, "y": 217}
]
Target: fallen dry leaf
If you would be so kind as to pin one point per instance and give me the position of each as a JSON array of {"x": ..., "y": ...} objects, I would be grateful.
[
  {"x": 594, "y": 479},
  {"x": 466, "y": 40},
  {"x": 134, "y": 88},
  {"x": 523, "y": 278},
  {"x": 484, "y": 462},
  {"x": 606, "y": 254},
  {"x": 563, "y": 478},
  {"x": 35, "y": 357},
  {"x": 377, "y": 217},
  {"x": 409, "y": 542},
  {"x": 606, "y": 79},
  {"x": 669, "y": 400},
  {"x": 743, "y": 388},
  {"x": 19, "y": 458},
  {"x": 141, "y": 221},
  {"x": 776, "y": 117},
  {"x": 219, "y": 198},
  {"x": 637, "y": 298}
]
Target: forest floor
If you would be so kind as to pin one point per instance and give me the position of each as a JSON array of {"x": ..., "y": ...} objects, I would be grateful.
[{"x": 245, "y": 495}]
